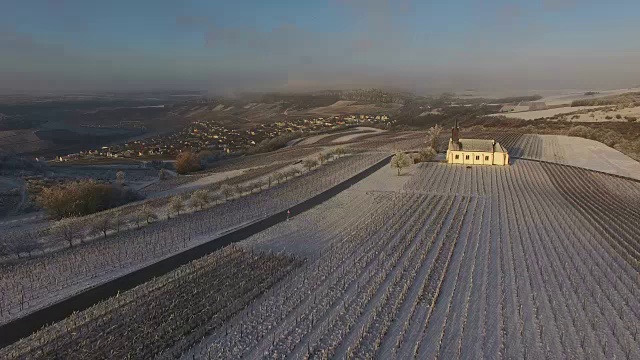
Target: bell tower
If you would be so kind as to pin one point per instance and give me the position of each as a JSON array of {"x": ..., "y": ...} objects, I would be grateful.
[{"x": 455, "y": 133}]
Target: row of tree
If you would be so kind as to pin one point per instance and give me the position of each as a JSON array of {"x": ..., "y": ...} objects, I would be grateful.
[{"x": 72, "y": 228}]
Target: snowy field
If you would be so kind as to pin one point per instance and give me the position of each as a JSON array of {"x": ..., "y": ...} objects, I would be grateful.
[
  {"x": 32, "y": 284},
  {"x": 567, "y": 97},
  {"x": 352, "y": 137},
  {"x": 607, "y": 114},
  {"x": 528, "y": 261},
  {"x": 569, "y": 150},
  {"x": 532, "y": 260},
  {"x": 314, "y": 139},
  {"x": 541, "y": 114}
]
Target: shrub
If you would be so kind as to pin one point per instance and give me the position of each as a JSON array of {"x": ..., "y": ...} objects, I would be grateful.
[
  {"x": 631, "y": 118},
  {"x": 187, "y": 162},
  {"x": 207, "y": 156},
  {"x": 273, "y": 144},
  {"x": 339, "y": 151},
  {"x": 580, "y": 131},
  {"x": 427, "y": 154},
  {"x": 83, "y": 198},
  {"x": 611, "y": 138},
  {"x": 618, "y": 116}
]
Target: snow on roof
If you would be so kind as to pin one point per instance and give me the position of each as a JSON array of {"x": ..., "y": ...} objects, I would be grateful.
[{"x": 480, "y": 145}]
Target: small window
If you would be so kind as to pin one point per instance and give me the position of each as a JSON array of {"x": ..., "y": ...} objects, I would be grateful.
[
  {"x": 457, "y": 157},
  {"x": 477, "y": 157},
  {"x": 466, "y": 157},
  {"x": 486, "y": 158}
]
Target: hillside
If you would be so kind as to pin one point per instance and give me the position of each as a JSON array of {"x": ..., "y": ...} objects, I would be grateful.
[
  {"x": 59, "y": 125},
  {"x": 532, "y": 260}
]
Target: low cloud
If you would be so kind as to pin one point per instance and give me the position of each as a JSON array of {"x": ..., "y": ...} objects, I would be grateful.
[{"x": 373, "y": 43}]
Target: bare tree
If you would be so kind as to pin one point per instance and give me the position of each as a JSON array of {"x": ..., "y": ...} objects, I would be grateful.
[
  {"x": 278, "y": 176},
  {"x": 227, "y": 191},
  {"x": 200, "y": 198},
  {"x": 118, "y": 220},
  {"x": 239, "y": 189},
  {"x": 68, "y": 228},
  {"x": 339, "y": 151},
  {"x": 138, "y": 218},
  {"x": 293, "y": 172},
  {"x": 400, "y": 160},
  {"x": 163, "y": 174},
  {"x": 148, "y": 214},
  {"x": 322, "y": 158},
  {"x": 432, "y": 136},
  {"x": 176, "y": 205},
  {"x": 309, "y": 164},
  {"x": 258, "y": 184},
  {"x": 101, "y": 225},
  {"x": 120, "y": 177},
  {"x": 215, "y": 197}
]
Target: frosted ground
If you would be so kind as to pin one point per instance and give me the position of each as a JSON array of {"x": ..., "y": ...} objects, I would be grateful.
[
  {"x": 601, "y": 115},
  {"x": 575, "y": 151},
  {"x": 38, "y": 282},
  {"x": 568, "y": 96},
  {"x": 534, "y": 260},
  {"x": 529, "y": 261},
  {"x": 539, "y": 114}
]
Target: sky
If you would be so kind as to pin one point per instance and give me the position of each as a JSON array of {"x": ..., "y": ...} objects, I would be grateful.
[{"x": 58, "y": 46}]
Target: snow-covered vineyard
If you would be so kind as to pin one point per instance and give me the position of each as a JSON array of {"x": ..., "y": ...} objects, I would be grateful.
[
  {"x": 40, "y": 281},
  {"x": 533, "y": 260},
  {"x": 575, "y": 151},
  {"x": 161, "y": 314},
  {"x": 487, "y": 262}
]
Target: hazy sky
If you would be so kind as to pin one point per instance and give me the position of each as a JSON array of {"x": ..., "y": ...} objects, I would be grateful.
[{"x": 222, "y": 46}]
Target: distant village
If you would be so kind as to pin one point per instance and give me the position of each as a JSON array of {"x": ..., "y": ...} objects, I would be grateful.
[{"x": 209, "y": 135}]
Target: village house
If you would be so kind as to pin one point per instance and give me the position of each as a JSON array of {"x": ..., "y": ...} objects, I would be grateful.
[{"x": 475, "y": 151}]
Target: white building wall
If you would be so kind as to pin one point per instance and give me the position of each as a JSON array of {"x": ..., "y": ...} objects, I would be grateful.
[{"x": 477, "y": 158}]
